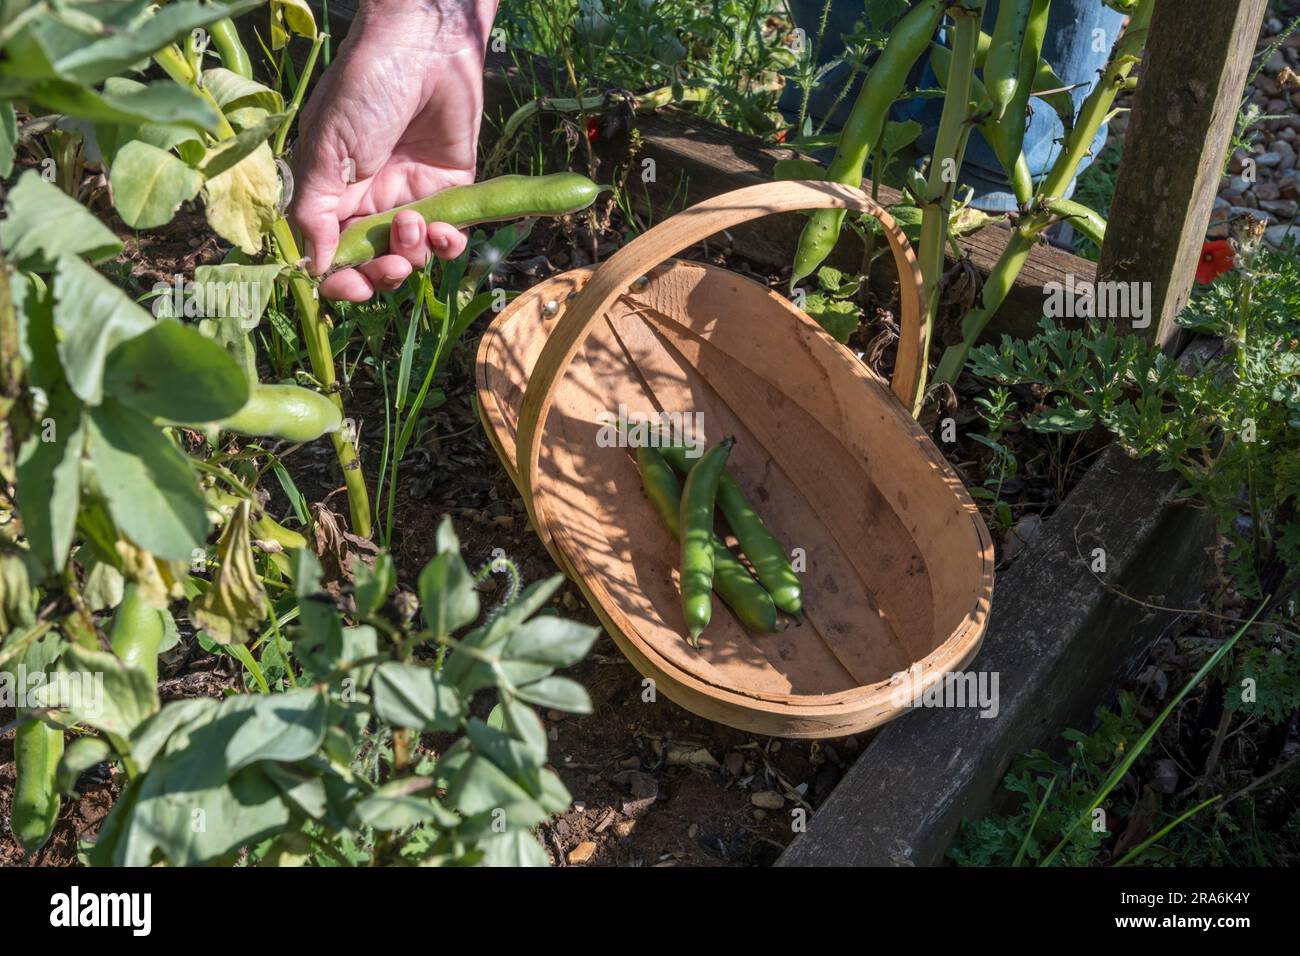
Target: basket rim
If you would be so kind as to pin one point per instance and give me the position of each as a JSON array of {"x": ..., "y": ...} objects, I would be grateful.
[{"x": 952, "y": 653}]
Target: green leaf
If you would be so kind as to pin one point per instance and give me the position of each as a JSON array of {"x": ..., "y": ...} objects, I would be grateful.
[
  {"x": 121, "y": 696},
  {"x": 127, "y": 102},
  {"x": 230, "y": 152},
  {"x": 276, "y": 727},
  {"x": 798, "y": 169},
  {"x": 57, "y": 47},
  {"x": 173, "y": 371},
  {"x": 93, "y": 317},
  {"x": 407, "y": 695},
  {"x": 516, "y": 847},
  {"x": 49, "y": 479},
  {"x": 43, "y": 223},
  {"x": 1064, "y": 420},
  {"x": 447, "y": 596},
  {"x": 551, "y": 640},
  {"x": 394, "y": 807},
  {"x": 481, "y": 787},
  {"x": 149, "y": 184},
  {"x": 373, "y": 585},
  {"x": 241, "y": 203},
  {"x": 80, "y": 755},
  {"x": 150, "y": 737},
  {"x": 234, "y": 92},
  {"x": 8, "y": 138},
  {"x": 146, "y": 480},
  {"x": 900, "y": 135},
  {"x": 186, "y": 813},
  {"x": 557, "y": 692}
]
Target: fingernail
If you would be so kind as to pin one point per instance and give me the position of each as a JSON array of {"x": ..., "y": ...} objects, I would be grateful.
[{"x": 408, "y": 231}]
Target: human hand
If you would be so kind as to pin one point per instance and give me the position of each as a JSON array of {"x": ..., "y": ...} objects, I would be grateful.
[{"x": 394, "y": 119}]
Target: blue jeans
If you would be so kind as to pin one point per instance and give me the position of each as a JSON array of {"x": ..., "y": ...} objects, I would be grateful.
[{"x": 1069, "y": 47}]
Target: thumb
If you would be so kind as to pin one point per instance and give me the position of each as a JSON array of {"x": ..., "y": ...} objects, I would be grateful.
[
  {"x": 315, "y": 207},
  {"x": 316, "y": 219}
]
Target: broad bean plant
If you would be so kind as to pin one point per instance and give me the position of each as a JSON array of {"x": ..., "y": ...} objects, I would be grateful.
[{"x": 130, "y": 521}]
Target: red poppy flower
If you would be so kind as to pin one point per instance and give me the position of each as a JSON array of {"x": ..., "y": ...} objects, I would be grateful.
[
  {"x": 593, "y": 128},
  {"x": 782, "y": 135},
  {"x": 1216, "y": 259}
]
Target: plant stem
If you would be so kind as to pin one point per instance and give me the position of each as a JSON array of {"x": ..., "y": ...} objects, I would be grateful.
[
  {"x": 316, "y": 336},
  {"x": 299, "y": 93},
  {"x": 1092, "y": 114},
  {"x": 949, "y": 152}
]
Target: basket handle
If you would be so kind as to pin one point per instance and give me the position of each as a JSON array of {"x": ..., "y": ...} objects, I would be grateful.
[{"x": 679, "y": 232}]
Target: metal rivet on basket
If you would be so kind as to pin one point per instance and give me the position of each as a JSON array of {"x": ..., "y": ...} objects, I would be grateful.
[
  {"x": 551, "y": 307},
  {"x": 640, "y": 284}
]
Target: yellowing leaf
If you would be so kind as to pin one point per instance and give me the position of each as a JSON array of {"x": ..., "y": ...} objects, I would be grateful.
[
  {"x": 149, "y": 184},
  {"x": 236, "y": 602},
  {"x": 241, "y": 202},
  {"x": 290, "y": 16}
]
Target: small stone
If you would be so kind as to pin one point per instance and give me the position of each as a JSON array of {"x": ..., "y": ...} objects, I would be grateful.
[
  {"x": 1269, "y": 160},
  {"x": 760, "y": 815},
  {"x": 1278, "y": 235},
  {"x": 553, "y": 714},
  {"x": 581, "y": 853},
  {"x": 1024, "y": 533},
  {"x": 767, "y": 800},
  {"x": 1287, "y": 152},
  {"x": 1281, "y": 208},
  {"x": 630, "y": 763},
  {"x": 1219, "y": 230},
  {"x": 624, "y": 828},
  {"x": 504, "y": 521},
  {"x": 1249, "y": 211},
  {"x": 690, "y": 757},
  {"x": 735, "y": 763},
  {"x": 692, "y": 830},
  {"x": 775, "y": 748},
  {"x": 569, "y": 601},
  {"x": 1265, "y": 190},
  {"x": 553, "y": 734}
]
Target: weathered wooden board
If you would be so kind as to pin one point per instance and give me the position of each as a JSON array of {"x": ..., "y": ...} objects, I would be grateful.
[
  {"x": 1059, "y": 642},
  {"x": 1198, "y": 56}
]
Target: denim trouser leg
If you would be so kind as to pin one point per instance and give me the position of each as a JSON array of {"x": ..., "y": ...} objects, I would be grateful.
[{"x": 1079, "y": 38}]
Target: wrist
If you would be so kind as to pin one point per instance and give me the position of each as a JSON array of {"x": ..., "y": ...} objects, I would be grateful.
[{"x": 438, "y": 26}]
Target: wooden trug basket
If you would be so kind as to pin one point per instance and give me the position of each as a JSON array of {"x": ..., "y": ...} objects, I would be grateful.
[{"x": 899, "y": 563}]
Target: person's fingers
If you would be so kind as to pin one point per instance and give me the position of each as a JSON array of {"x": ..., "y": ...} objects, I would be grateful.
[
  {"x": 408, "y": 238},
  {"x": 349, "y": 285},
  {"x": 387, "y": 272},
  {"x": 320, "y": 232},
  {"x": 447, "y": 241}
]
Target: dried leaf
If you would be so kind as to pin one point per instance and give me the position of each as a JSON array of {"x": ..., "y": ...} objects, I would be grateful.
[{"x": 235, "y": 603}]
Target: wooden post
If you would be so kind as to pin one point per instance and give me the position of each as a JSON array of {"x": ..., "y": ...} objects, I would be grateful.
[{"x": 1198, "y": 57}]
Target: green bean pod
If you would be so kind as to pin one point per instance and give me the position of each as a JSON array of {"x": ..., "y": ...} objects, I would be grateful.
[
  {"x": 233, "y": 55},
  {"x": 731, "y": 579},
  {"x": 764, "y": 551},
  {"x": 1002, "y": 68},
  {"x": 287, "y": 412},
  {"x": 1080, "y": 217},
  {"x": 866, "y": 122},
  {"x": 1007, "y": 134},
  {"x": 38, "y": 747},
  {"x": 695, "y": 524},
  {"x": 493, "y": 200},
  {"x": 137, "y": 632}
]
